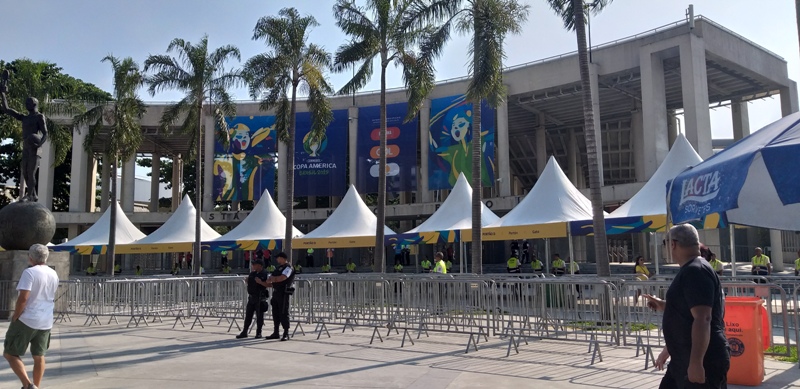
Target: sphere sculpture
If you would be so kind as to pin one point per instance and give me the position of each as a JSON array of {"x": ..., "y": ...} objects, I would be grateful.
[{"x": 22, "y": 224}]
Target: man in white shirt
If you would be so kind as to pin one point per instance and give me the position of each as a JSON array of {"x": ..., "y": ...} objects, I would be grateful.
[{"x": 33, "y": 317}]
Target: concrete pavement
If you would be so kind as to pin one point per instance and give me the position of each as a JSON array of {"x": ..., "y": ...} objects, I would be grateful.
[{"x": 156, "y": 356}]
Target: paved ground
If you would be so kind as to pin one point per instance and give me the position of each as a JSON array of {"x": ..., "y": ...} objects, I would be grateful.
[{"x": 112, "y": 356}]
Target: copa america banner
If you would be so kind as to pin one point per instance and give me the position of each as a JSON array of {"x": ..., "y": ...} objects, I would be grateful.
[
  {"x": 450, "y": 141},
  {"x": 320, "y": 167},
  {"x": 246, "y": 166},
  {"x": 401, "y": 149}
]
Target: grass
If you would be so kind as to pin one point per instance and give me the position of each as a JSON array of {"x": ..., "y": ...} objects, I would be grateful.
[
  {"x": 635, "y": 327},
  {"x": 589, "y": 326},
  {"x": 778, "y": 349}
]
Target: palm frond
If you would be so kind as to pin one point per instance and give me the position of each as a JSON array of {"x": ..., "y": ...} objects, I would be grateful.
[
  {"x": 319, "y": 107},
  {"x": 352, "y": 21},
  {"x": 353, "y": 52}
]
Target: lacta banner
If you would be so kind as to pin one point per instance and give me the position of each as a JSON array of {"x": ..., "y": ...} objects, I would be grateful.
[
  {"x": 700, "y": 192},
  {"x": 450, "y": 140},
  {"x": 246, "y": 166},
  {"x": 320, "y": 167},
  {"x": 401, "y": 149}
]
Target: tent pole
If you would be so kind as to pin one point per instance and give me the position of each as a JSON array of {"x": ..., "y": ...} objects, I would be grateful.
[
  {"x": 547, "y": 254},
  {"x": 733, "y": 249},
  {"x": 571, "y": 249},
  {"x": 461, "y": 263},
  {"x": 657, "y": 255}
]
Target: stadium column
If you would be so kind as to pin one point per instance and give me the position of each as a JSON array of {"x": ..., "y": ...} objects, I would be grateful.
[
  {"x": 740, "y": 118},
  {"x": 637, "y": 133},
  {"x": 424, "y": 147},
  {"x": 155, "y": 177},
  {"x": 504, "y": 165},
  {"x": 651, "y": 138},
  {"x": 541, "y": 145},
  {"x": 598, "y": 134},
  {"x": 91, "y": 184},
  {"x": 208, "y": 163},
  {"x": 177, "y": 181},
  {"x": 572, "y": 157},
  {"x": 105, "y": 184},
  {"x": 694, "y": 87},
  {"x": 46, "y": 174},
  {"x": 128, "y": 183},
  {"x": 352, "y": 143},
  {"x": 789, "y": 105},
  {"x": 78, "y": 171}
]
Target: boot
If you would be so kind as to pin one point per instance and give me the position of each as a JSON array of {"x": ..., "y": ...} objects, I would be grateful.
[
  {"x": 285, "y": 336},
  {"x": 273, "y": 336},
  {"x": 258, "y": 335},
  {"x": 242, "y": 335}
]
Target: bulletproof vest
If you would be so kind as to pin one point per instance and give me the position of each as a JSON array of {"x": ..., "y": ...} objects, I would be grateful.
[
  {"x": 253, "y": 288},
  {"x": 280, "y": 287}
]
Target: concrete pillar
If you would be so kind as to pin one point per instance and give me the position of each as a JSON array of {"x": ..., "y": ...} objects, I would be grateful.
[
  {"x": 541, "y": 146},
  {"x": 572, "y": 157},
  {"x": 208, "y": 161},
  {"x": 652, "y": 138},
  {"x": 155, "y": 177},
  {"x": 424, "y": 148},
  {"x": 672, "y": 127},
  {"x": 105, "y": 183},
  {"x": 694, "y": 86},
  {"x": 637, "y": 141},
  {"x": 502, "y": 140},
  {"x": 776, "y": 248},
  {"x": 78, "y": 171},
  {"x": 46, "y": 174},
  {"x": 598, "y": 134},
  {"x": 91, "y": 184},
  {"x": 335, "y": 201},
  {"x": 177, "y": 181},
  {"x": 789, "y": 104},
  {"x": 128, "y": 182},
  {"x": 352, "y": 143},
  {"x": 740, "y": 119},
  {"x": 282, "y": 169},
  {"x": 312, "y": 202}
]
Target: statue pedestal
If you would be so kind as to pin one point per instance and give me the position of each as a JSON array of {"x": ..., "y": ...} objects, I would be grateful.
[{"x": 13, "y": 263}]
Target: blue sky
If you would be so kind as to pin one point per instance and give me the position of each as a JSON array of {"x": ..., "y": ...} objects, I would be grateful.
[{"x": 78, "y": 34}]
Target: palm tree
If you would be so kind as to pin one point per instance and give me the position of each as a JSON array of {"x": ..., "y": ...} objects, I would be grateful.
[
  {"x": 489, "y": 21},
  {"x": 275, "y": 77},
  {"x": 573, "y": 13},
  {"x": 203, "y": 77},
  {"x": 383, "y": 37},
  {"x": 118, "y": 120}
]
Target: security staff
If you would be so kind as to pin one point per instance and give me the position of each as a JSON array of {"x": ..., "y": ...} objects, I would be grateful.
[
  {"x": 298, "y": 268},
  {"x": 716, "y": 264},
  {"x": 117, "y": 269},
  {"x": 574, "y": 268},
  {"x": 760, "y": 264},
  {"x": 138, "y": 270},
  {"x": 426, "y": 264},
  {"x": 226, "y": 269},
  {"x": 91, "y": 271},
  {"x": 559, "y": 267},
  {"x": 257, "y": 296},
  {"x": 398, "y": 267},
  {"x": 281, "y": 283},
  {"x": 536, "y": 265},
  {"x": 351, "y": 266},
  {"x": 797, "y": 264},
  {"x": 440, "y": 267},
  {"x": 326, "y": 268},
  {"x": 449, "y": 265},
  {"x": 512, "y": 265}
]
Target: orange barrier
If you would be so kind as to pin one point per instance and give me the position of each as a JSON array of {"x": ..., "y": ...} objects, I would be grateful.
[{"x": 745, "y": 322}]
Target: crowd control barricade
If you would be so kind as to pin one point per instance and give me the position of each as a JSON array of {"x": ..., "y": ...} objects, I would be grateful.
[
  {"x": 217, "y": 298},
  {"x": 640, "y": 325},
  {"x": 578, "y": 309},
  {"x": 349, "y": 302}
]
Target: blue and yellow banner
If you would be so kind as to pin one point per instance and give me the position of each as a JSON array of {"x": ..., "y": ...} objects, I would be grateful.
[
  {"x": 247, "y": 245},
  {"x": 401, "y": 149},
  {"x": 320, "y": 166},
  {"x": 636, "y": 224},
  {"x": 246, "y": 167},
  {"x": 450, "y": 142}
]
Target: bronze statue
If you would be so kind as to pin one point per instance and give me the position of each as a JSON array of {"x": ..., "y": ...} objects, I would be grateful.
[{"x": 34, "y": 134}]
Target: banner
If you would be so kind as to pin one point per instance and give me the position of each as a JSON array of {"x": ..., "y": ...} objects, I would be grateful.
[
  {"x": 450, "y": 139},
  {"x": 246, "y": 167},
  {"x": 320, "y": 167},
  {"x": 401, "y": 149}
]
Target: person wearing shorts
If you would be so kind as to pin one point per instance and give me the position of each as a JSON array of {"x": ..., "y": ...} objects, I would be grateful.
[{"x": 32, "y": 318}]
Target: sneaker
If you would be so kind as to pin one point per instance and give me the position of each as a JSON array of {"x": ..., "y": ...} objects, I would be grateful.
[
  {"x": 273, "y": 336},
  {"x": 31, "y": 386},
  {"x": 241, "y": 336}
]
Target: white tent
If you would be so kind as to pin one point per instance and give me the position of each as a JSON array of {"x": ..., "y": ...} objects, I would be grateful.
[
  {"x": 650, "y": 200},
  {"x": 352, "y": 224},
  {"x": 544, "y": 211},
  {"x": 93, "y": 239},
  {"x": 176, "y": 235},
  {"x": 265, "y": 222},
  {"x": 455, "y": 212}
]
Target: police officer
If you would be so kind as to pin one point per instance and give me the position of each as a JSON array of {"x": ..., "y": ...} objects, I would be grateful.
[
  {"x": 257, "y": 295},
  {"x": 281, "y": 283}
]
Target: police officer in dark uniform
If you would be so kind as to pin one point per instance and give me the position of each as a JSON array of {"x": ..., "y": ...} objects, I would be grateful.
[
  {"x": 257, "y": 296},
  {"x": 281, "y": 283}
]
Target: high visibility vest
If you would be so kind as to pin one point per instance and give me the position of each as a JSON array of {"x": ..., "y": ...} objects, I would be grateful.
[
  {"x": 574, "y": 267},
  {"x": 559, "y": 264},
  {"x": 398, "y": 268},
  {"x": 226, "y": 270},
  {"x": 716, "y": 264},
  {"x": 139, "y": 272},
  {"x": 449, "y": 265},
  {"x": 440, "y": 267},
  {"x": 513, "y": 263},
  {"x": 762, "y": 260},
  {"x": 271, "y": 268},
  {"x": 797, "y": 264},
  {"x": 536, "y": 265},
  {"x": 426, "y": 264},
  {"x": 326, "y": 268},
  {"x": 351, "y": 267}
]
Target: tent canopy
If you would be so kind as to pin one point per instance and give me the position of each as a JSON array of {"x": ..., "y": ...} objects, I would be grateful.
[
  {"x": 455, "y": 212},
  {"x": 754, "y": 182},
  {"x": 352, "y": 224},
  {"x": 176, "y": 235},
  {"x": 94, "y": 240},
  {"x": 264, "y": 223}
]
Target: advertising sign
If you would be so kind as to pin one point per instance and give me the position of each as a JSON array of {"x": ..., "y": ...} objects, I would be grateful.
[
  {"x": 320, "y": 167},
  {"x": 246, "y": 167},
  {"x": 401, "y": 149}
]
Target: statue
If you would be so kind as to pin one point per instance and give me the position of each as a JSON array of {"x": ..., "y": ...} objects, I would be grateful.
[{"x": 34, "y": 134}]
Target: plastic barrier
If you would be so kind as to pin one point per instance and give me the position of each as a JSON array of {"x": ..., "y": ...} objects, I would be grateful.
[{"x": 744, "y": 329}]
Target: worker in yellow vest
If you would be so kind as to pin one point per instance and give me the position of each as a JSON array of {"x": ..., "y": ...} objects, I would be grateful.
[
  {"x": 440, "y": 267},
  {"x": 512, "y": 265},
  {"x": 559, "y": 266},
  {"x": 226, "y": 269},
  {"x": 398, "y": 267},
  {"x": 716, "y": 264},
  {"x": 326, "y": 268},
  {"x": 797, "y": 264},
  {"x": 138, "y": 270},
  {"x": 91, "y": 271},
  {"x": 536, "y": 265},
  {"x": 426, "y": 265},
  {"x": 351, "y": 266},
  {"x": 449, "y": 265},
  {"x": 574, "y": 268},
  {"x": 760, "y": 263}
]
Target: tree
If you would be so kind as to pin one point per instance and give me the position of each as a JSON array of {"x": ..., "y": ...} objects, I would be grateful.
[
  {"x": 119, "y": 119},
  {"x": 203, "y": 77},
  {"x": 489, "y": 21},
  {"x": 384, "y": 37},
  {"x": 275, "y": 77},
  {"x": 573, "y": 13}
]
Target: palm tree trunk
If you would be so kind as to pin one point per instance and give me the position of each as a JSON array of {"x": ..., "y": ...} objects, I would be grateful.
[
  {"x": 198, "y": 190},
  {"x": 600, "y": 242},
  {"x": 112, "y": 232},
  {"x": 380, "y": 249},
  {"x": 289, "y": 190}
]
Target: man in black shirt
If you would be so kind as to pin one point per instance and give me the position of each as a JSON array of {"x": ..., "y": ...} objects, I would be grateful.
[
  {"x": 281, "y": 283},
  {"x": 693, "y": 325},
  {"x": 257, "y": 296}
]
